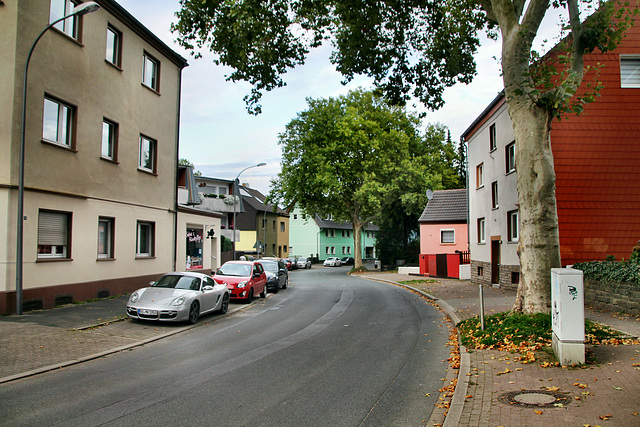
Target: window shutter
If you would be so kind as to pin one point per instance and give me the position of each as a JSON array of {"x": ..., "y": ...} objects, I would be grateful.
[
  {"x": 630, "y": 72},
  {"x": 52, "y": 229}
]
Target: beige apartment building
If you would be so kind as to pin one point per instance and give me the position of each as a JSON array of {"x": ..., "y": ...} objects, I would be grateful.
[{"x": 101, "y": 149}]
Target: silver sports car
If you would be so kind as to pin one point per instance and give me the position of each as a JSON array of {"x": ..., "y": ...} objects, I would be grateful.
[{"x": 179, "y": 297}]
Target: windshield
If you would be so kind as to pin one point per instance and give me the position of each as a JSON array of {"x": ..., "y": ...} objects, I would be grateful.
[
  {"x": 270, "y": 266},
  {"x": 303, "y": 259},
  {"x": 178, "y": 282},
  {"x": 240, "y": 270}
]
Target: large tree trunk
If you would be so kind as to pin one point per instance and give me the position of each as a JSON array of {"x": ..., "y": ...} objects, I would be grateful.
[
  {"x": 539, "y": 245},
  {"x": 538, "y": 240},
  {"x": 357, "y": 245}
]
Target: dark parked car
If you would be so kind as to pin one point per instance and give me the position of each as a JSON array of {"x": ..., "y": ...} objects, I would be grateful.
[
  {"x": 277, "y": 275},
  {"x": 347, "y": 260}
]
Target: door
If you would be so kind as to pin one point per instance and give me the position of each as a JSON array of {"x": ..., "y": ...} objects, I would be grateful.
[{"x": 495, "y": 260}]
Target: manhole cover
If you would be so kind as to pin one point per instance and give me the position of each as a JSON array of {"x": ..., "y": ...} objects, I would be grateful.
[{"x": 534, "y": 398}]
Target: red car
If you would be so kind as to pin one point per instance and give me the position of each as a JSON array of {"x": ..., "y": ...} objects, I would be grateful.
[{"x": 243, "y": 278}]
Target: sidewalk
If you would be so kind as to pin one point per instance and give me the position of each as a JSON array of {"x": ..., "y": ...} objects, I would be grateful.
[
  {"x": 44, "y": 340},
  {"x": 606, "y": 394}
]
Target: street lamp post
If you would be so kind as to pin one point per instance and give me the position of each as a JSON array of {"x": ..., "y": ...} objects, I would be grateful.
[
  {"x": 235, "y": 202},
  {"x": 79, "y": 10}
]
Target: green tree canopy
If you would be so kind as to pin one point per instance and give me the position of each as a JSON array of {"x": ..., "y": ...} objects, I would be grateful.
[{"x": 344, "y": 156}]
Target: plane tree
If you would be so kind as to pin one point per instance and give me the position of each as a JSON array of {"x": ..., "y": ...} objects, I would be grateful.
[
  {"x": 417, "y": 48},
  {"x": 346, "y": 157}
]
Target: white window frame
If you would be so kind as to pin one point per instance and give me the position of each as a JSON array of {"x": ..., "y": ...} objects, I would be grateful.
[
  {"x": 106, "y": 234},
  {"x": 510, "y": 157},
  {"x": 54, "y": 239},
  {"x": 150, "y": 72},
  {"x": 447, "y": 231},
  {"x": 152, "y": 145},
  {"x": 481, "y": 230},
  {"x": 513, "y": 226},
  {"x": 327, "y": 250},
  {"x": 57, "y": 122},
  {"x": 629, "y": 71},
  {"x": 146, "y": 229},
  {"x": 495, "y": 203},
  {"x": 113, "y": 52},
  {"x": 71, "y": 25},
  {"x": 480, "y": 175},
  {"x": 109, "y": 140},
  {"x": 493, "y": 142}
]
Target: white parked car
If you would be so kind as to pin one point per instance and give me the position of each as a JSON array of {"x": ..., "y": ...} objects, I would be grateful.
[
  {"x": 179, "y": 297},
  {"x": 303, "y": 262},
  {"x": 332, "y": 262}
]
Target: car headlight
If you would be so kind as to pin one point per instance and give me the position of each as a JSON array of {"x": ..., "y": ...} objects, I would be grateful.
[
  {"x": 178, "y": 301},
  {"x": 242, "y": 284},
  {"x": 134, "y": 297}
]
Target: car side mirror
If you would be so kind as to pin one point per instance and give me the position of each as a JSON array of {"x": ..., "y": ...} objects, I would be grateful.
[
  {"x": 282, "y": 271},
  {"x": 152, "y": 283}
]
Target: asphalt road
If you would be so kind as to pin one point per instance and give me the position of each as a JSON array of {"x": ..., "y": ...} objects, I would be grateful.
[{"x": 330, "y": 350}]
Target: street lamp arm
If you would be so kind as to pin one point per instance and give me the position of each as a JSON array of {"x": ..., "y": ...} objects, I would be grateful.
[{"x": 237, "y": 187}]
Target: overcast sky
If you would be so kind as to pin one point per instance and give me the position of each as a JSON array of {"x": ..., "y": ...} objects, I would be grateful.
[{"x": 221, "y": 138}]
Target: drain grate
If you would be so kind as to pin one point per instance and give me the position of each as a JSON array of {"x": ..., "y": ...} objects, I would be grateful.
[{"x": 534, "y": 398}]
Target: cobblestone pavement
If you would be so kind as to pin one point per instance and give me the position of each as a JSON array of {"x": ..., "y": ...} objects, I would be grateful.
[{"x": 602, "y": 394}]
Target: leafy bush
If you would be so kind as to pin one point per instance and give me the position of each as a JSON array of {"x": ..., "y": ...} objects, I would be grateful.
[{"x": 611, "y": 271}]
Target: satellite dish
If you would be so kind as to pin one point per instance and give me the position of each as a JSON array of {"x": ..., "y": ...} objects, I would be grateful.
[{"x": 429, "y": 194}]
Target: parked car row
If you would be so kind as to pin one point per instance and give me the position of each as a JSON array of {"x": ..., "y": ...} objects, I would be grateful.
[
  {"x": 185, "y": 296},
  {"x": 337, "y": 262}
]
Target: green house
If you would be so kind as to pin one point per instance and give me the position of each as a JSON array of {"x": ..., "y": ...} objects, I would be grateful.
[{"x": 321, "y": 238}]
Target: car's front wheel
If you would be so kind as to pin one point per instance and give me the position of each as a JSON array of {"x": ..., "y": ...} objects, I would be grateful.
[
  {"x": 194, "y": 312},
  {"x": 263, "y": 294},
  {"x": 249, "y": 297},
  {"x": 286, "y": 283}
]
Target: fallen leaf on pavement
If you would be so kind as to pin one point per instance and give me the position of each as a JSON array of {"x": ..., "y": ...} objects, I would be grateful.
[{"x": 539, "y": 412}]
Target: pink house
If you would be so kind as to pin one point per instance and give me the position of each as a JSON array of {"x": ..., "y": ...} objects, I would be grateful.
[{"x": 443, "y": 233}]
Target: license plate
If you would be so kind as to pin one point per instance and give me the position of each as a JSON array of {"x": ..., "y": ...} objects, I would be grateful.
[{"x": 148, "y": 312}]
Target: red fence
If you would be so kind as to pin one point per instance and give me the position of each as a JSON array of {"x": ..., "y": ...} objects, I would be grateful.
[{"x": 443, "y": 265}]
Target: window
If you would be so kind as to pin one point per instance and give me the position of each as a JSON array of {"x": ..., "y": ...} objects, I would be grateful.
[
  {"x": 492, "y": 137},
  {"x": 57, "y": 123},
  {"x": 281, "y": 225},
  {"x": 53, "y": 234},
  {"x": 480, "y": 271},
  {"x": 515, "y": 277},
  {"x": 295, "y": 216},
  {"x": 109, "y": 140},
  {"x": 114, "y": 46},
  {"x": 494, "y": 195},
  {"x": 105, "y": 238},
  {"x": 481, "y": 237},
  {"x": 348, "y": 250},
  {"x": 61, "y": 8},
  {"x": 510, "y": 156},
  {"x": 344, "y": 250},
  {"x": 222, "y": 190},
  {"x": 447, "y": 236},
  {"x": 513, "y": 226},
  {"x": 629, "y": 71},
  {"x": 346, "y": 233},
  {"x": 333, "y": 250},
  {"x": 480, "y": 175},
  {"x": 327, "y": 250},
  {"x": 150, "y": 72},
  {"x": 145, "y": 239},
  {"x": 147, "y": 157},
  {"x": 274, "y": 225}
]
